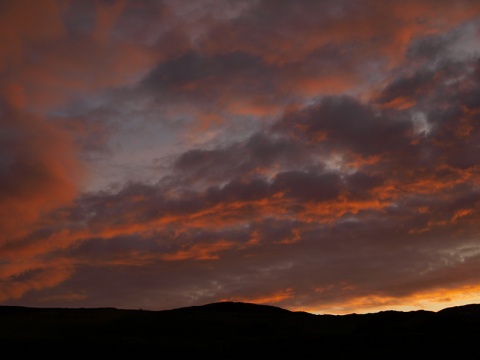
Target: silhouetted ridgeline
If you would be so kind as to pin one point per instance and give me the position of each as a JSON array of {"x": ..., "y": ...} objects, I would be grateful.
[{"x": 238, "y": 331}]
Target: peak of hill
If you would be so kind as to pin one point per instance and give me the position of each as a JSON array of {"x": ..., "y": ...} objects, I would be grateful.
[{"x": 236, "y": 307}]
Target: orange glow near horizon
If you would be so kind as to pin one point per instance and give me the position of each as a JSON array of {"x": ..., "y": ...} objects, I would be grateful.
[{"x": 432, "y": 300}]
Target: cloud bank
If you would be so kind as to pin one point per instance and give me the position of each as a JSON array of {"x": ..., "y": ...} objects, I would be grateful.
[{"x": 319, "y": 156}]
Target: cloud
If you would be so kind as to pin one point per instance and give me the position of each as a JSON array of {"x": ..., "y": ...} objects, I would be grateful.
[
  {"x": 38, "y": 43},
  {"x": 300, "y": 207},
  {"x": 35, "y": 279},
  {"x": 39, "y": 172},
  {"x": 313, "y": 155},
  {"x": 22, "y": 23}
]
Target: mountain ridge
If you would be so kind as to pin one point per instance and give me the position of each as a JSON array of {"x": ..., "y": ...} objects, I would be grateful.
[
  {"x": 240, "y": 305},
  {"x": 236, "y": 330}
]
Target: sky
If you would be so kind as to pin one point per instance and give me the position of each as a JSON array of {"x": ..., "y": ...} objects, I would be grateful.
[{"x": 321, "y": 156}]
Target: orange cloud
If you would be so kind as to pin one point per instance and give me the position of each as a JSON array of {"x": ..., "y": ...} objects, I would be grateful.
[
  {"x": 42, "y": 278},
  {"x": 422, "y": 182},
  {"x": 399, "y": 103},
  {"x": 461, "y": 213},
  {"x": 23, "y": 22},
  {"x": 331, "y": 211},
  {"x": 295, "y": 237},
  {"x": 42, "y": 172},
  {"x": 331, "y": 83},
  {"x": 207, "y": 251},
  {"x": 64, "y": 67}
]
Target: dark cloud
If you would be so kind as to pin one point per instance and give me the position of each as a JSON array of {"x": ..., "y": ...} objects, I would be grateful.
[
  {"x": 215, "y": 80},
  {"x": 307, "y": 187},
  {"x": 256, "y": 156},
  {"x": 342, "y": 123},
  {"x": 409, "y": 88},
  {"x": 80, "y": 18}
]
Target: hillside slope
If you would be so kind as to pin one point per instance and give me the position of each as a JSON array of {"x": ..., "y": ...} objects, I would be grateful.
[{"x": 238, "y": 331}]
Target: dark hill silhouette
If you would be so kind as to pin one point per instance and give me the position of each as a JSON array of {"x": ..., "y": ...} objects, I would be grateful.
[
  {"x": 236, "y": 307},
  {"x": 231, "y": 330}
]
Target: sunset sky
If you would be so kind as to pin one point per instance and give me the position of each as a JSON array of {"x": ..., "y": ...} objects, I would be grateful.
[{"x": 321, "y": 156}]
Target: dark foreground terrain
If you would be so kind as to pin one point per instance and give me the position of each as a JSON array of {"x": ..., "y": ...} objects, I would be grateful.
[{"x": 238, "y": 331}]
